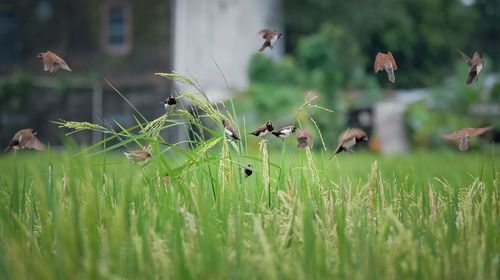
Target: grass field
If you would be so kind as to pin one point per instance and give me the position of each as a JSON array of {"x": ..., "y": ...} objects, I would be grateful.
[
  {"x": 189, "y": 213},
  {"x": 361, "y": 216}
]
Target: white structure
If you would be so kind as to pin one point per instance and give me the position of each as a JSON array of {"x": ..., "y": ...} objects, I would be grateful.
[
  {"x": 389, "y": 120},
  {"x": 208, "y": 33}
]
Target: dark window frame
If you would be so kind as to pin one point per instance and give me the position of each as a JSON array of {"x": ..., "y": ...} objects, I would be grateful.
[{"x": 125, "y": 46}]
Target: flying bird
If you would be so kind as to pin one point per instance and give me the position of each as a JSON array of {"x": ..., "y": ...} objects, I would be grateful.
[
  {"x": 270, "y": 37},
  {"x": 25, "y": 139},
  {"x": 304, "y": 138},
  {"x": 137, "y": 156},
  {"x": 284, "y": 132},
  {"x": 229, "y": 130},
  {"x": 263, "y": 130},
  {"x": 464, "y": 135},
  {"x": 169, "y": 103},
  {"x": 52, "y": 62},
  {"x": 385, "y": 62},
  {"x": 349, "y": 139},
  {"x": 475, "y": 63}
]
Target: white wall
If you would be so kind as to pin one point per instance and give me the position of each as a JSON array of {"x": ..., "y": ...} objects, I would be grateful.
[{"x": 224, "y": 31}]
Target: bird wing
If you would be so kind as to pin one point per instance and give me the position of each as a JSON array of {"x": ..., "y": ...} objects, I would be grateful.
[
  {"x": 48, "y": 61},
  {"x": 392, "y": 61},
  {"x": 476, "y": 59},
  {"x": 231, "y": 129},
  {"x": 260, "y": 129},
  {"x": 350, "y": 133},
  {"x": 34, "y": 143},
  {"x": 379, "y": 62},
  {"x": 303, "y": 138},
  {"x": 266, "y": 34},
  {"x": 478, "y": 131},
  {"x": 453, "y": 136},
  {"x": 61, "y": 63},
  {"x": 466, "y": 58}
]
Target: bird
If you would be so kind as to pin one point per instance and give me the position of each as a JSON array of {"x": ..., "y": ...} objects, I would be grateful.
[
  {"x": 248, "y": 170},
  {"x": 385, "y": 62},
  {"x": 25, "y": 139},
  {"x": 138, "y": 155},
  {"x": 169, "y": 103},
  {"x": 349, "y": 139},
  {"x": 284, "y": 132},
  {"x": 263, "y": 130},
  {"x": 475, "y": 63},
  {"x": 464, "y": 135},
  {"x": 304, "y": 138},
  {"x": 270, "y": 37},
  {"x": 229, "y": 130},
  {"x": 52, "y": 62}
]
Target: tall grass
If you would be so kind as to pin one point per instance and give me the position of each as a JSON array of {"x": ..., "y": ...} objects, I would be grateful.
[{"x": 96, "y": 215}]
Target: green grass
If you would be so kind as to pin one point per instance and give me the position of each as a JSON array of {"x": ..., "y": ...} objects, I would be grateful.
[
  {"x": 368, "y": 217},
  {"x": 188, "y": 213}
]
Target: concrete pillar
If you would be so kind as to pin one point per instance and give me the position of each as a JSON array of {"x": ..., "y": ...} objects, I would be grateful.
[
  {"x": 224, "y": 31},
  {"x": 389, "y": 126}
]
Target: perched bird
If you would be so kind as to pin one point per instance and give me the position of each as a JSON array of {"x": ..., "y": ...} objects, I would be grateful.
[
  {"x": 284, "y": 132},
  {"x": 304, "y": 138},
  {"x": 137, "y": 156},
  {"x": 229, "y": 130},
  {"x": 169, "y": 103},
  {"x": 385, "y": 62},
  {"x": 52, "y": 62},
  {"x": 463, "y": 136},
  {"x": 270, "y": 37},
  {"x": 348, "y": 139},
  {"x": 263, "y": 130},
  {"x": 25, "y": 139},
  {"x": 475, "y": 63},
  {"x": 248, "y": 170}
]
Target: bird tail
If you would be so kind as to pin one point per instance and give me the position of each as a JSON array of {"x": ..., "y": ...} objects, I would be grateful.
[
  {"x": 339, "y": 149},
  {"x": 264, "y": 46},
  {"x": 11, "y": 144},
  {"x": 390, "y": 74},
  {"x": 471, "y": 77}
]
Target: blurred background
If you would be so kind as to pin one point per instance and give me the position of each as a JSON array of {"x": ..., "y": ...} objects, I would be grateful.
[{"x": 327, "y": 49}]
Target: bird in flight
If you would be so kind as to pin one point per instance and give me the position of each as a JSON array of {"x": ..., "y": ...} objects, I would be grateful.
[
  {"x": 52, "y": 62},
  {"x": 304, "y": 138},
  {"x": 229, "y": 130},
  {"x": 475, "y": 63},
  {"x": 263, "y": 130},
  {"x": 25, "y": 139},
  {"x": 465, "y": 134},
  {"x": 284, "y": 132},
  {"x": 137, "y": 156},
  {"x": 270, "y": 37},
  {"x": 349, "y": 139},
  {"x": 385, "y": 62}
]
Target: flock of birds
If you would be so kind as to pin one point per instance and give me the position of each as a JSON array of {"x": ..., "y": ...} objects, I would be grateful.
[{"x": 26, "y": 138}]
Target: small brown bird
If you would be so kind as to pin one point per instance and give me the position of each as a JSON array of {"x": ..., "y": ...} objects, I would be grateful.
[
  {"x": 263, "y": 130},
  {"x": 229, "y": 131},
  {"x": 385, "y": 62},
  {"x": 349, "y": 139},
  {"x": 475, "y": 65},
  {"x": 270, "y": 37},
  {"x": 169, "y": 103},
  {"x": 304, "y": 138},
  {"x": 25, "y": 139},
  {"x": 52, "y": 62},
  {"x": 463, "y": 136},
  {"x": 284, "y": 132},
  {"x": 137, "y": 156}
]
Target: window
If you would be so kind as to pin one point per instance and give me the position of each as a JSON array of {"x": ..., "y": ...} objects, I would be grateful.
[{"x": 116, "y": 28}]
